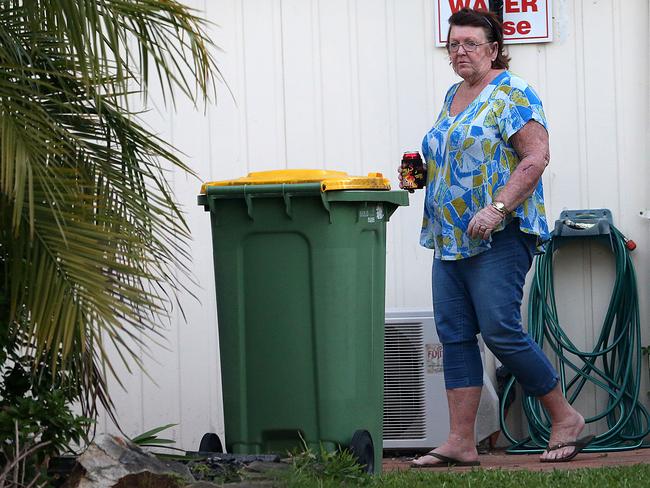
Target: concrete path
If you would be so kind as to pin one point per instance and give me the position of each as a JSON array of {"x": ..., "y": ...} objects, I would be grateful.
[{"x": 530, "y": 462}]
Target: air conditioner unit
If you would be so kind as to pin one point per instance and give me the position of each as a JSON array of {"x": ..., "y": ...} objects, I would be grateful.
[{"x": 415, "y": 401}]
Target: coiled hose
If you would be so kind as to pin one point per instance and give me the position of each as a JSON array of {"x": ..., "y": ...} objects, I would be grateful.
[{"x": 613, "y": 366}]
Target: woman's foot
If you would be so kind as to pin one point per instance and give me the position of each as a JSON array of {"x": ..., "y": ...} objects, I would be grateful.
[
  {"x": 457, "y": 452},
  {"x": 460, "y": 446},
  {"x": 564, "y": 431}
]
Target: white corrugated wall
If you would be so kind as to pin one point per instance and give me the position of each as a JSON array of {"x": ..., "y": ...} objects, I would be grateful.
[{"x": 350, "y": 85}]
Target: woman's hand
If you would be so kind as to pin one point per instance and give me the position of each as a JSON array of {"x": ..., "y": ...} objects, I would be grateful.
[
  {"x": 484, "y": 222},
  {"x": 400, "y": 171}
]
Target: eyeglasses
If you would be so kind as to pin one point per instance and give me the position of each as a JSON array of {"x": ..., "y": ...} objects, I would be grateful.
[{"x": 468, "y": 46}]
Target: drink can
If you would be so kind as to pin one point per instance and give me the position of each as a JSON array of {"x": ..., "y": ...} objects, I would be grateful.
[{"x": 413, "y": 171}]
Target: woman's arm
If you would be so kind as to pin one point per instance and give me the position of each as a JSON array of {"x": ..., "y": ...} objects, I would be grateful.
[{"x": 531, "y": 144}]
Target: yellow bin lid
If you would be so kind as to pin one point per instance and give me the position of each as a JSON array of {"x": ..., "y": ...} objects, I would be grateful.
[{"x": 329, "y": 180}]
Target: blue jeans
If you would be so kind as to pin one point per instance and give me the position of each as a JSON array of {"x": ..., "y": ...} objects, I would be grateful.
[{"x": 482, "y": 294}]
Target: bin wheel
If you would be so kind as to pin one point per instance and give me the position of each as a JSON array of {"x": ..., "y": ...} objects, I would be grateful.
[
  {"x": 210, "y": 442},
  {"x": 362, "y": 447}
]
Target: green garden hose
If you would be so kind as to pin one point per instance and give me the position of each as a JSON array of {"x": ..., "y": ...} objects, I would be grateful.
[{"x": 613, "y": 366}]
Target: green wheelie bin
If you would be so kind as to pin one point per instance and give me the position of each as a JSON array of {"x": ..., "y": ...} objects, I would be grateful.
[{"x": 300, "y": 261}]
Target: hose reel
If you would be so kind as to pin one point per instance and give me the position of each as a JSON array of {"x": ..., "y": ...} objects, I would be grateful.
[{"x": 614, "y": 363}]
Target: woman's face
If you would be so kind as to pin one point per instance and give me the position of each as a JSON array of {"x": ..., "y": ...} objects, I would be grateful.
[{"x": 471, "y": 64}]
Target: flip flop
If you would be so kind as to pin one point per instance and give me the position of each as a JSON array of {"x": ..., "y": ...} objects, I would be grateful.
[
  {"x": 447, "y": 462},
  {"x": 579, "y": 445}
]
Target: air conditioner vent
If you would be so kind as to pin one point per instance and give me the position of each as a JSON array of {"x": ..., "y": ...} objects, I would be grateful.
[{"x": 404, "y": 388}]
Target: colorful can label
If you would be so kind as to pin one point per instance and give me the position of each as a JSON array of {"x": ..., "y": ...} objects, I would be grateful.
[{"x": 413, "y": 171}]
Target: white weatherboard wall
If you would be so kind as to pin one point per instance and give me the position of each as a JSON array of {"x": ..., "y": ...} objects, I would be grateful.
[{"x": 351, "y": 84}]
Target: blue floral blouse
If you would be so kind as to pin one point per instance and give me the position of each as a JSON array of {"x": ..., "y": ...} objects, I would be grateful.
[{"x": 469, "y": 159}]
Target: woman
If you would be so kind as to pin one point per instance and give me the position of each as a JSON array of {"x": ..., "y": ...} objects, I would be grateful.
[{"x": 484, "y": 217}]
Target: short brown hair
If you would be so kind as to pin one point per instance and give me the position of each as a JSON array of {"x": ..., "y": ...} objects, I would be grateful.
[{"x": 490, "y": 24}]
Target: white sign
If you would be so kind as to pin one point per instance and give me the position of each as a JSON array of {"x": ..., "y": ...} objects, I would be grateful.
[{"x": 524, "y": 21}]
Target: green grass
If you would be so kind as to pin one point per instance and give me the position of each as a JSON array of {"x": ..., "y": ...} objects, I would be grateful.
[{"x": 629, "y": 476}]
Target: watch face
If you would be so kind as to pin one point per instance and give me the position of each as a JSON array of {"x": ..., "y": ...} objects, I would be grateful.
[{"x": 500, "y": 206}]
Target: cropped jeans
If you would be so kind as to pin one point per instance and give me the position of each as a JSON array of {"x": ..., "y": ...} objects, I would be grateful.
[{"x": 482, "y": 294}]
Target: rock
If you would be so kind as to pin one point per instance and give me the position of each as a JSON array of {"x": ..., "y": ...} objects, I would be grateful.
[
  {"x": 114, "y": 462},
  {"x": 148, "y": 480},
  {"x": 244, "y": 458},
  {"x": 203, "y": 484},
  {"x": 263, "y": 467}
]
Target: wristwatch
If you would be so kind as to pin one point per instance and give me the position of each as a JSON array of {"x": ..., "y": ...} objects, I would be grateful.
[{"x": 501, "y": 207}]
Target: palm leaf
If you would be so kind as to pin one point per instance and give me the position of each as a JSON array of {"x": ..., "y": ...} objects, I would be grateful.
[{"x": 150, "y": 437}]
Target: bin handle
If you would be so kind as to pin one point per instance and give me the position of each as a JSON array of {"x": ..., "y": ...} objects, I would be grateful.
[
  {"x": 249, "y": 203},
  {"x": 287, "y": 203},
  {"x": 286, "y": 196},
  {"x": 288, "y": 191}
]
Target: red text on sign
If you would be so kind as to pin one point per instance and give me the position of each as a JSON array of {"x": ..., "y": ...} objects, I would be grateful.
[
  {"x": 517, "y": 6},
  {"x": 510, "y": 28},
  {"x": 456, "y": 5}
]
